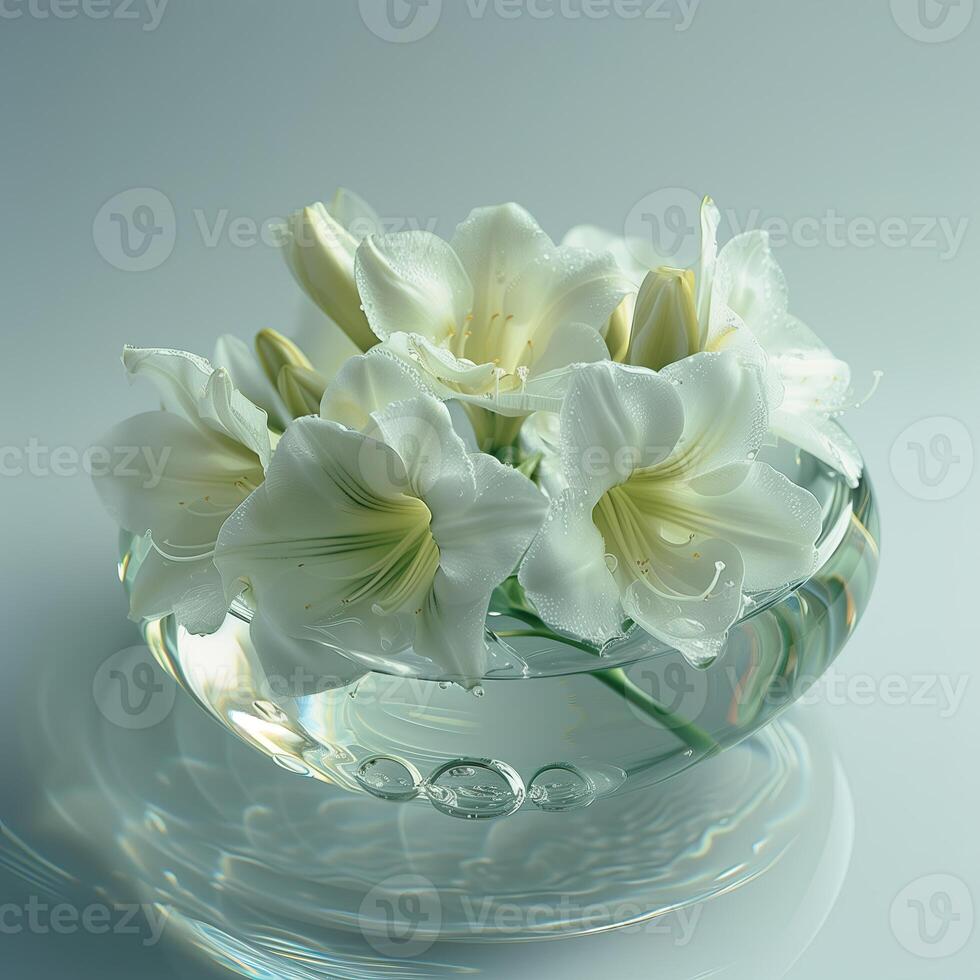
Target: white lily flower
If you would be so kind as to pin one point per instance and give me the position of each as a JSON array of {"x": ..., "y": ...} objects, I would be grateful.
[
  {"x": 811, "y": 386},
  {"x": 667, "y": 517},
  {"x": 194, "y": 463},
  {"x": 493, "y": 318},
  {"x": 370, "y": 542},
  {"x": 319, "y": 244},
  {"x": 741, "y": 301}
]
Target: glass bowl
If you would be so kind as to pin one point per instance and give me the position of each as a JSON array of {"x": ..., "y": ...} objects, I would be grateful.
[{"x": 552, "y": 727}]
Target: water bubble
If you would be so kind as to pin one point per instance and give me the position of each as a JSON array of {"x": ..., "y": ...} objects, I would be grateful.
[
  {"x": 389, "y": 778},
  {"x": 561, "y": 786},
  {"x": 475, "y": 789}
]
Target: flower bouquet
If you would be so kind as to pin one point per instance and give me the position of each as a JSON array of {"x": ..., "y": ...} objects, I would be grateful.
[{"x": 562, "y": 444}]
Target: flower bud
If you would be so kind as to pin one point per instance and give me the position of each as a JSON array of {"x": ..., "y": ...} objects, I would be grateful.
[
  {"x": 616, "y": 332},
  {"x": 665, "y": 321},
  {"x": 301, "y": 389},
  {"x": 276, "y": 351},
  {"x": 320, "y": 254}
]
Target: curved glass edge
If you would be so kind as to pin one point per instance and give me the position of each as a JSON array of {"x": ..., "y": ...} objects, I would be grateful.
[{"x": 560, "y": 743}]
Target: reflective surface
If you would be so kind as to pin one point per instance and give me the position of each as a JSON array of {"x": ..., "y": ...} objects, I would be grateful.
[{"x": 271, "y": 875}]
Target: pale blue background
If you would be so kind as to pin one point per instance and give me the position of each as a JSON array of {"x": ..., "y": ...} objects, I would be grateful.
[{"x": 793, "y": 109}]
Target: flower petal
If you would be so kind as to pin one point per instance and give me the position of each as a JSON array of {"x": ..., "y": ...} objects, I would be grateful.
[
  {"x": 710, "y": 220},
  {"x": 773, "y": 522},
  {"x": 229, "y": 412},
  {"x": 565, "y": 573},
  {"x": 616, "y": 419},
  {"x": 189, "y": 386},
  {"x": 812, "y": 378},
  {"x": 354, "y": 214},
  {"x": 192, "y": 591},
  {"x": 436, "y": 466},
  {"x": 823, "y": 438},
  {"x": 451, "y": 631},
  {"x": 482, "y": 540},
  {"x": 749, "y": 281},
  {"x": 179, "y": 377},
  {"x": 690, "y": 603},
  {"x": 726, "y": 412},
  {"x": 239, "y": 360},
  {"x": 570, "y": 343},
  {"x": 494, "y": 244},
  {"x": 162, "y": 465},
  {"x": 367, "y": 383},
  {"x": 566, "y": 285},
  {"x": 325, "y": 521},
  {"x": 412, "y": 282},
  {"x": 444, "y": 372}
]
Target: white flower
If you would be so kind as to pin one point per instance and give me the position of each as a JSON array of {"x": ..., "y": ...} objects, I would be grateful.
[
  {"x": 740, "y": 301},
  {"x": 212, "y": 445},
  {"x": 495, "y": 317},
  {"x": 371, "y": 542},
  {"x": 667, "y": 516},
  {"x": 811, "y": 387},
  {"x": 319, "y": 245}
]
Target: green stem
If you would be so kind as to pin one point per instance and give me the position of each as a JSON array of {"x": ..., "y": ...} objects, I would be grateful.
[
  {"x": 514, "y": 604},
  {"x": 694, "y": 737},
  {"x": 548, "y": 635}
]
